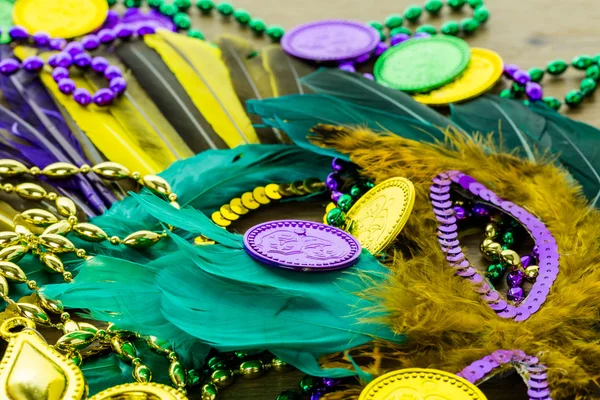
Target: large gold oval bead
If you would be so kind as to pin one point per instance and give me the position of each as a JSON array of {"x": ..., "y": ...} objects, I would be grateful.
[
  {"x": 56, "y": 243},
  {"x": 52, "y": 262},
  {"x": 30, "y": 191},
  {"x": 39, "y": 217},
  {"x": 70, "y": 326},
  {"x": 59, "y": 228},
  {"x": 60, "y": 170},
  {"x": 141, "y": 239},
  {"x": 157, "y": 184},
  {"x": 34, "y": 313},
  {"x": 54, "y": 306},
  {"x": 13, "y": 253},
  {"x": 12, "y": 272},
  {"x": 9, "y": 238},
  {"x": 77, "y": 339},
  {"x": 65, "y": 206},
  {"x": 111, "y": 171},
  {"x": 3, "y": 287},
  {"x": 9, "y": 168},
  {"x": 90, "y": 232}
]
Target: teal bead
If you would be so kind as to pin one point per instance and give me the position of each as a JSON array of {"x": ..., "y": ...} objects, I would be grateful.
[
  {"x": 553, "y": 102},
  {"x": 168, "y": 9},
  {"x": 593, "y": 72},
  {"x": 275, "y": 32},
  {"x": 433, "y": 7},
  {"x": 205, "y": 6},
  {"x": 517, "y": 89},
  {"x": 309, "y": 384},
  {"x": 196, "y": 34},
  {"x": 182, "y": 20},
  {"x": 155, "y": 4},
  {"x": 481, "y": 14},
  {"x": 507, "y": 94},
  {"x": 376, "y": 24},
  {"x": 456, "y": 4},
  {"x": 536, "y": 74},
  {"x": 451, "y": 28},
  {"x": 257, "y": 26},
  {"x": 183, "y": 4},
  {"x": 557, "y": 67},
  {"x": 289, "y": 395},
  {"x": 111, "y": 2},
  {"x": 345, "y": 202},
  {"x": 469, "y": 25},
  {"x": 587, "y": 86},
  {"x": 495, "y": 272},
  {"x": 132, "y": 3},
  {"x": 225, "y": 9},
  {"x": 582, "y": 62},
  {"x": 426, "y": 28},
  {"x": 241, "y": 16},
  {"x": 508, "y": 239},
  {"x": 394, "y": 21},
  {"x": 369, "y": 185},
  {"x": 475, "y": 4},
  {"x": 413, "y": 13},
  {"x": 356, "y": 191},
  {"x": 336, "y": 217},
  {"x": 574, "y": 98},
  {"x": 400, "y": 29}
]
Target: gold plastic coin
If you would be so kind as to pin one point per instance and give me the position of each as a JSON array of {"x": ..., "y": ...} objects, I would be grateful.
[
  {"x": 481, "y": 75},
  {"x": 377, "y": 218},
  {"x": 420, "y": 383},
  {"x": 140, "y": 391},
  {"x": 60, "y": 18}
]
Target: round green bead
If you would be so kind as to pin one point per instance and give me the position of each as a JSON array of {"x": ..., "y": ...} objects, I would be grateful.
[
  {"x": 168, "y": 9},
  {"x": 433, "y": 7},
  {"x": 451, "y": 28},
  {"x": 456, "y": 4},
  {"x": 557, "y": 67},
  {"x": 289, "y": 395},
  {"x": 394, "y": 21},
  {"x": 241, "y": 16},
  {"x": 275, "y": 32},
  {"x": 582, "y": 62},
  {"x": 469, "y": 25},
  {"x": 336, "y": 217},
  {"x": 587, "y": 86},
  {"x": 475, "y": 3},
  {"x": 574, "y": 98},
  {"x": 413, "y": 13},
  {"x": 205, "y": 6},
  {"x": 536, "y": 74},
  {"x": 508, "y": 239},
  {"x": 309, "y": 384},
  {"x": 257, "y": 26},
  {"x": 132, "y": 3},
  {"x": 344, "y": 202},
  {"x": 481, "y": 14},
  {"x": 376, "y": 24},
  {"x": 182, "y": 20},
  {"x": 225, "y": 9},
  {"x": 369, "y": 185},
  {"x": 596, "y": 59},
  {"x": 217, "y": 362},
  {"x": 400, "y": 29},
  {"x": 382, "y": 36},
  {"x": 593, "y": 72},
  {"x": 196, "y": 34},
  {"x": 517, "y": 89},
  {"x": 495, "y": 272},
  {"x": 553, "y": 102},
  {"x": 111, "y": 2},
  {"x": 155, "y": 4},
  {"x": 426, "y": 28},
  {"x": 356, "y": 191},
  {"x": 507, "y": 94},
  {"x": 183, "y": 4}
]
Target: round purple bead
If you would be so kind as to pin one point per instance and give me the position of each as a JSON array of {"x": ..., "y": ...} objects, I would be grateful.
[
  {"x": 315, "y": 396},
  {"x": 123, "y": 32},
  {"x": 480, "y": 210},
  {"x": 9, "y": 66},
  {"x": 63, "y": 60},
  {"x": 90, "y": 42},
  {"x": 57, "y": 43},
  {"x": 459, "y": 212},
  {"x": 332, "y": 181},
  {"x": 526, "y": 261},
  {"x": 421, "y": 35},
  {"x": 515, "y": 278},
  {"x": 535, "y": 251},
  {"x": 348, "y": 67},
  {"x": 112, "y": 72},
  {"x": 399, "y": 38},
  {"x": 60, "y": 73},
  {"x": 74, "y": 48},
  {"x": 335, "y": 196},
  {"x": 364, "y": 58},
  {"x": 515, "y": 294},
  {"x": 118, "y": 85},
  {"x": 82, "y": 60},
  {"x": 380, "y": 49},
  {"x": 82, "y": 96},
  {"x": 66, "y": 85},
  {"x": 145, "y": 30},
  {"x": 33, "y": 63},
  {"x": 521, "y": 77},
  {"x": 107, "y": 36},
  {"x": 41, "y": 39},
  {"x": 18, "y": 33},
  {"x": 112, "y": 18},
  {"x": 534, "y": 91},
  {"x": 103, "y": 97},
  {"x": 338, "y": 165},
  {"x": 99, "y": 64},
  {"x": 510, "y": 69},
  {"x": 330, "y": 382},
  {"x": 369, "y": 76}
]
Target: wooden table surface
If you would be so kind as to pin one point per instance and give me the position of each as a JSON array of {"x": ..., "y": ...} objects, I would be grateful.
[{"x": 525, "y": 32}]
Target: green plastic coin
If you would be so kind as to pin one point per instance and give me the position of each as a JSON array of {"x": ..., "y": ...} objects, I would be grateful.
[{"x": 421, "y": 65}]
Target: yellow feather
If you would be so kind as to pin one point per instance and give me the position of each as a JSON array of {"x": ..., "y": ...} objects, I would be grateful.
[{"x": 200, "y": 70}]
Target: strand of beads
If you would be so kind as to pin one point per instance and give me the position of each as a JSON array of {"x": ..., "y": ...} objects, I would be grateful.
[
  {"x": 527, "y": 83},
  {"x": 310, "y": 386}
]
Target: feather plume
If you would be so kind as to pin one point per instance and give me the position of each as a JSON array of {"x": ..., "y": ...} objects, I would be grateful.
[
  {"x": 285, "y": 71},
  {"x": 199, "y": 68}
]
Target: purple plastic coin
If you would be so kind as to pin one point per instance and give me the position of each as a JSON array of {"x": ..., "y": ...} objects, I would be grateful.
[
  {"x": 301, "y": 245},
  {"x": 330, "y": 40}
]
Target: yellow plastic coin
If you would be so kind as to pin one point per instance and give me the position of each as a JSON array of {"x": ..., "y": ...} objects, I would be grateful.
[
  {"x": 481, "y": 75},
  {"x": 377, "y": 218},
  {"x": 420, "y": 383},
  {"x": 60, "y": 18}
]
